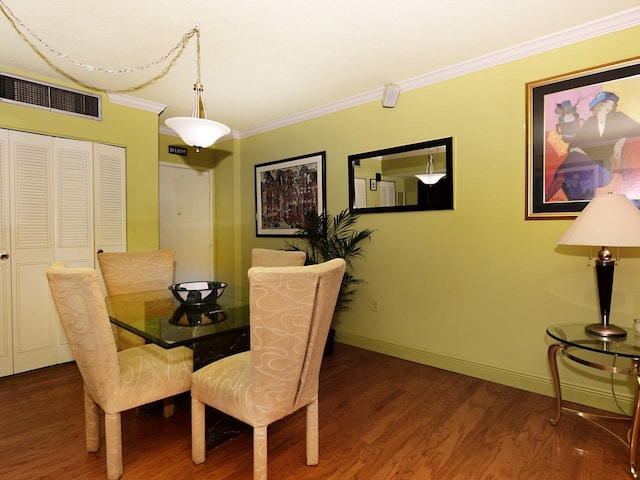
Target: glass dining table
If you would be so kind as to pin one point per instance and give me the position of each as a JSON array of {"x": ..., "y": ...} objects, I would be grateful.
[{"x": 212, "y": 331}]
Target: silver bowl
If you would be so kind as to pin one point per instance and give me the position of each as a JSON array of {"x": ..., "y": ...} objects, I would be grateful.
[{"x": 197, "y": 293}]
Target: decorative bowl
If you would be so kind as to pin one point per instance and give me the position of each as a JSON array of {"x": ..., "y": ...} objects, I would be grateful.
[{"x": 197, "y": 293}]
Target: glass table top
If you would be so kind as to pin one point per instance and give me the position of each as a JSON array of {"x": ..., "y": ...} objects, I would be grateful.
[
  {"x": 574, "y": 335},
  {"x": 159, "y": 318}
]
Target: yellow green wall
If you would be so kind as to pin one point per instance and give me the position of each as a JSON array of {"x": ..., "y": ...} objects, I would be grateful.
[
  {"x": 134, "y": 129},
  {"x": 473, "y": 289}
]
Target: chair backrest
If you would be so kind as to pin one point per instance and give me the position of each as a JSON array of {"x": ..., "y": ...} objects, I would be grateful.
[
  {"x": 291, "y": 312},
  {"x": 264, "y": 257},
  {"x": 129, "y": 272},
  {"x": 79, "y": 301}
]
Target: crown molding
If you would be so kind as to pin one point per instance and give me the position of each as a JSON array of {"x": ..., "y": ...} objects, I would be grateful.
[
  {"x": 613, "y": 23},
  {"x": 135, "y": 102}
]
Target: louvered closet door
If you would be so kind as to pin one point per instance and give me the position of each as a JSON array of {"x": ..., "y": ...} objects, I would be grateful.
[
  {"x": 59, "y": 198},
  {"x": 110, "y": 198},
  {"x": 35, "y": 336},
  {"x": 6, "y": 350},
  {"x": 73, "y": 219}
]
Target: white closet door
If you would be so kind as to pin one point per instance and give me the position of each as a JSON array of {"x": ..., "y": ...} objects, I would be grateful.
[
  {"x": 6, "y": 350},
  {"x": 55, "y": 195},
  {"x": 35, "y": 334},
  {"x": 110, "y": 198},
  {"x": 73, "y": 207}
]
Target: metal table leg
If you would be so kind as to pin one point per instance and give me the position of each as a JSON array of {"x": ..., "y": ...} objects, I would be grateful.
[
  {"x": 553, "y": 364},
  {"x": 635, "y": 425}
]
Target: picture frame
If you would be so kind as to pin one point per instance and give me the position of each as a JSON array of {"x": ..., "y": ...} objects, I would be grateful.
[
  {"x": 583, "y": 139},
  {"x": 285, "y": 190},
  {"x": 373, "y": 184}
]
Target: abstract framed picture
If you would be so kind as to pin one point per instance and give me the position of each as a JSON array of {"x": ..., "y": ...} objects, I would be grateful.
[
  {"x": 285, "y": 190},
  {"x": 583, "y": 139}
]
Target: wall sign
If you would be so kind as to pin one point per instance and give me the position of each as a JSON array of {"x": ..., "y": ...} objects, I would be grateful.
[{"x": 178, "y": 150}]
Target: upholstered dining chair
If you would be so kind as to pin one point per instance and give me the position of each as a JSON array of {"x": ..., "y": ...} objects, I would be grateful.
[
  {"x": 264, "y": 257},
  {"x": 130, "y": 272},
  {"x": 290, "y": 313},
  {"x": 113, "y": 380}
]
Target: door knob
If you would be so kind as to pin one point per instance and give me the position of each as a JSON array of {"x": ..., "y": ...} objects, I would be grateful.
[{"x": 4, "y": 256}]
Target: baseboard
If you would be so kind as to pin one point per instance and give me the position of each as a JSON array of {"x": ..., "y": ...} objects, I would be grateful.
[{"x": 583, "y": 395}]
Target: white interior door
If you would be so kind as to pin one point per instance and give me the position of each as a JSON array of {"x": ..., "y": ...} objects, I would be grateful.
[
  {"x": 186, "y": 221},
  {"x": 360, "y": 200},
  {"x": 387, "y": 193}
]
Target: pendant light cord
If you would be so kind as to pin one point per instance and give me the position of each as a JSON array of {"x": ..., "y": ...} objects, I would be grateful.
[{"x": 173, "y": 54}]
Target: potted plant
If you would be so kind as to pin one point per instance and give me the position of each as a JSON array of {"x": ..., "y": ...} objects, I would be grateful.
[{"x": 323, "y": 237}]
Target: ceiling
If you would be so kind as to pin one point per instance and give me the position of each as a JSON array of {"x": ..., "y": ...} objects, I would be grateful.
[{"x": 263, "y": 61}]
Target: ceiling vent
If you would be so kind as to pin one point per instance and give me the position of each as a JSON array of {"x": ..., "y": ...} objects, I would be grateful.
[{"x": 28, "y": 92}]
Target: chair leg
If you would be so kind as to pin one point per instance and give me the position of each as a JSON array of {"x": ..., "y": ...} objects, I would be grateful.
[
  {"x": 91, "y": 424},
  {"x": 260, "y": 453},
  {"x": 312, "y": 433},
  {"x": 197, "y": 431},
  {"x": 168, "y": 407},
  {"x": 113, "y": 439}
]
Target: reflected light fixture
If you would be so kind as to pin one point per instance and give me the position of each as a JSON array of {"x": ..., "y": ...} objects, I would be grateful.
[
  {"x": 196, "y": 130},
  {"x": 430, "y": 178},
  {"x": 610, "y": 220}
]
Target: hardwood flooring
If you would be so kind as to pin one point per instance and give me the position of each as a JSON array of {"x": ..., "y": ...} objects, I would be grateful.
[{"x": 380, "y": 418}]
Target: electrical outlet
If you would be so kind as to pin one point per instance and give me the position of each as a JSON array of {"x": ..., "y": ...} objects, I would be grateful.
[{"x": 375, "y": 306}]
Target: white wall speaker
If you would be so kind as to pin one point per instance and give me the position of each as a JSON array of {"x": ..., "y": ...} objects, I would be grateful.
[{"x": 390, "y": 95}]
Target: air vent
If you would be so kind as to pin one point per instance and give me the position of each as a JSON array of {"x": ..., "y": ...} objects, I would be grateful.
[{"x": 28, "y": 92}]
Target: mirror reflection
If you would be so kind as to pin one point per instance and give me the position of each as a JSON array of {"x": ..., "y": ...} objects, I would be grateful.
[{"x": 405, "y": 178}]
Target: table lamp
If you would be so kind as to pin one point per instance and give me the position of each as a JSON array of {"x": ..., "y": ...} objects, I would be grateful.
[{"x": 609, "y": 220}]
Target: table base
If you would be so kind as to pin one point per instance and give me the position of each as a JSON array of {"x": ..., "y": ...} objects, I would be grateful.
[{"x": 632, "y": 437}]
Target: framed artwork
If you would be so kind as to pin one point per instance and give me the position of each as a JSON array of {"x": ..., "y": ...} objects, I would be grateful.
[
  {"x": 285, "y": 190},
  {"x": 583, "y": 139},
  {"x": 373, "y": 184}
]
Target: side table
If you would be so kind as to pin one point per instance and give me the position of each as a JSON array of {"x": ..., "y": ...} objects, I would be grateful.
[{"x": 576, "y": 345}]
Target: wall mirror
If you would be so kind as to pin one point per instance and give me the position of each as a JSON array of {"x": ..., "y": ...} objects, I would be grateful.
[{"x": 405, "y": 178}]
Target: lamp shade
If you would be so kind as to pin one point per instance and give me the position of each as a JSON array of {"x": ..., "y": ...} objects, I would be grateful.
[
  {"x": 610, "y": 220},
  {"x": 197, "y": 132},
  {"x": 430, "y": 178}
]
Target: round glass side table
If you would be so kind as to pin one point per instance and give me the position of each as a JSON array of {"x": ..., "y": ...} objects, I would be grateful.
[{"x": 592, "y": 351}]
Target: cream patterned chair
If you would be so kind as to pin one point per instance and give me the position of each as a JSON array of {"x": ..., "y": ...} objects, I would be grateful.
[
  {"x": 264, "y": 257},
  {"x": 291, "y": 310},
  {"x": 129, "y": 272},
  {"x": 114, "y": 380}
]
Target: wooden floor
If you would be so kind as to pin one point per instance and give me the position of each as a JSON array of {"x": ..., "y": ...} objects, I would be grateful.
[{"x": 380, "y": 418}]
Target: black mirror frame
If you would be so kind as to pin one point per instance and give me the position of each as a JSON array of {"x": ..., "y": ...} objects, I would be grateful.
[{"x": 446, "y": 184}]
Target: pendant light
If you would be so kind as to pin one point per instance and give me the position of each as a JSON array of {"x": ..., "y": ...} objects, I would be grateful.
[
  {"x": 196, "y": 130},
  {"x": 430, "y": 178}
]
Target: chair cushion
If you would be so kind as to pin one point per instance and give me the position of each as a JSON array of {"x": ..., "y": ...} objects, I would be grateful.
[
  {"x": 149, "y": 373},
  {"x": 228, "y": 381}
]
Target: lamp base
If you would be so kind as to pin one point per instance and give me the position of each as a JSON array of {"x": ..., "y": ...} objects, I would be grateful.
[{"x": 602, "y": 330}]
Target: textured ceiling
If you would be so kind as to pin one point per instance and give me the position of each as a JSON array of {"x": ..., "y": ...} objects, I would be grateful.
[{"x": 267, "y": 60}]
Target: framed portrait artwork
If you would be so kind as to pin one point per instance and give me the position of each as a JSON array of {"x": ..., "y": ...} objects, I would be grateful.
[
  {"x": 285, "y": 190},
  {"x": 583, "y": 139}
]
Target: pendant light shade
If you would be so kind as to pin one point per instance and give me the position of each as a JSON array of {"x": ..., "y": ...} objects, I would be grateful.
[{"x": 197, "y": 132}]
